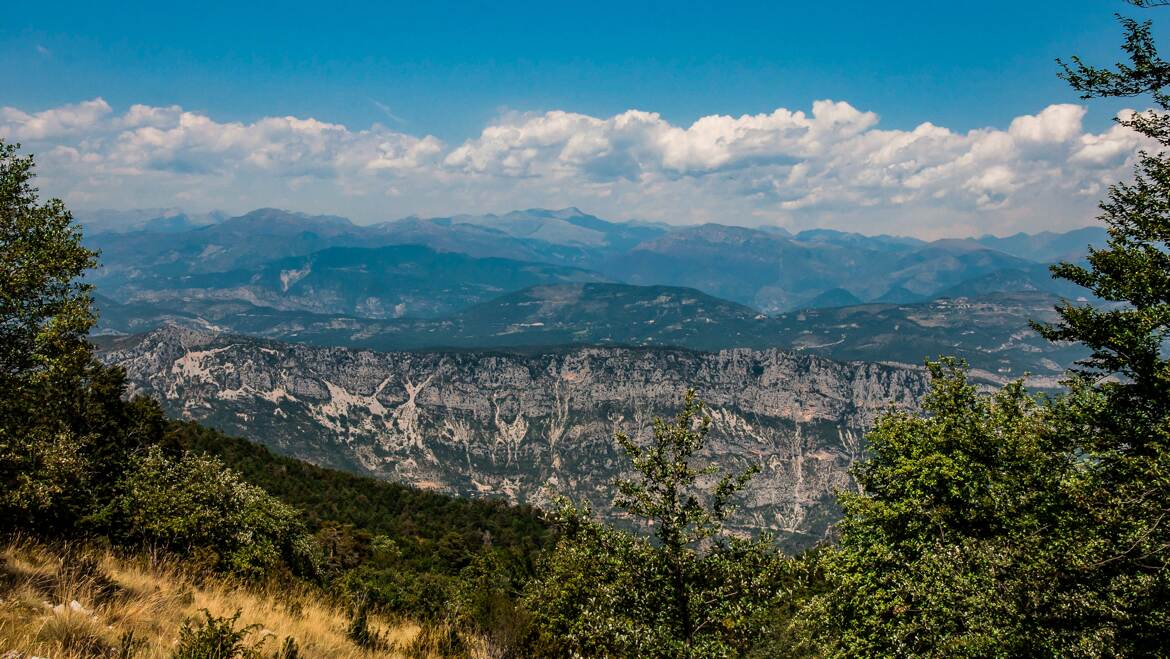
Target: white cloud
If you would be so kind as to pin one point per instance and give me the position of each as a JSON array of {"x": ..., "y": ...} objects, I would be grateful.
[
  {"x": 832, "y": 166},
  {"x": 53, "y": 123},
  {"x": 1056, "y": 123}
]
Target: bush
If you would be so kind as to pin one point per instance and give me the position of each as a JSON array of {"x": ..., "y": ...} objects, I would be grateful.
[
  {"x": 438, "y": 639},
  {"x": 597, "y": 593},
  {"x": 194, "y": 503},
  {"x": 484, "y": 603},
  {"x": 215, "y": 638}
]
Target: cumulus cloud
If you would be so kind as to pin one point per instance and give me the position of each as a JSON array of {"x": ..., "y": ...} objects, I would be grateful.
[
  {"x": 831, "y": 166},
  {"x": 53, "y": 123}
]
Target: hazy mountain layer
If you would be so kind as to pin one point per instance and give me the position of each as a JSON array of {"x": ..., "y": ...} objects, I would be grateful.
[
  {"x": 770, "y": 270},
  {"x": 382, "y": 282},
  {"x": 991, "y": 332}
]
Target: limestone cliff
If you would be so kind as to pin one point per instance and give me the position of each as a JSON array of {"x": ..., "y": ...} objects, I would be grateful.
[{"x": 523, "y": 425}]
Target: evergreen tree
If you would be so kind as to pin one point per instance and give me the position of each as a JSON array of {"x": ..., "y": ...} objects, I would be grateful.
[{"x": 1125, "y": 432}]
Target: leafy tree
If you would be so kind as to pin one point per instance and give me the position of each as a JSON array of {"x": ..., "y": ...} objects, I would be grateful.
[
  {"x": 665, "y": 494},
  {"x": 44, "y": 316},
  {"x": 194, "y": 503},
  {"x": 485, "y": 601},
  {"x": 684, "y": 591},
  {"x": 1006, "y": 526},
  {"x": 44, "y": 309},
  {"x": 77, "y": 458},
  {"x": 64, "y": 426},
  {"x": 601, "y": 593},
  {"x": 431, "y": 532},
  {"x": 959, "y": 534}
]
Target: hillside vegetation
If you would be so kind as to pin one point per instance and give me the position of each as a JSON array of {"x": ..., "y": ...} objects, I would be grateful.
[
  {"x": 83, "y": 463},
  {"x": 72, "y": 600},
  {"x": 990, "y": 331}
]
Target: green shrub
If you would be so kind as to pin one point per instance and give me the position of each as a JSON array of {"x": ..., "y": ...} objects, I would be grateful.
[
  {"x": 484, "y": 602},
  {"x": 194, "y": 504},
  {"x": 215, "y": 638},
  {"x": 438, "y": 639}
]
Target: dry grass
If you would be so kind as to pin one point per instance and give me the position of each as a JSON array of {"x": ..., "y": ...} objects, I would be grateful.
[{"x": 136, "y": 606}]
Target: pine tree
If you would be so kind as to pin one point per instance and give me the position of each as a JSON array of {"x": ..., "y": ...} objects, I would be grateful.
[{"x": 1125, "y": 430}]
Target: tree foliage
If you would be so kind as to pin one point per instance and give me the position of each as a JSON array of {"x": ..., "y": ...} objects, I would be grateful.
[
  {"x": 64, "y": 426},
  {"x": 79, "y": 459},
  {"x": 44, "y": 315},
  {"x": 195, "y": 503},
  {"x": 961, "y": 531},
  {"x": 1008, "y": 526},
  {"x": 44, "y": 308},
  {"x": 1130, "y": 339},
  {"x": 685, "y": 589},
  {"x": 430, "y": 532},
  {"x": 75, "y": 455},
  {"x": 1126, "y": 433}
]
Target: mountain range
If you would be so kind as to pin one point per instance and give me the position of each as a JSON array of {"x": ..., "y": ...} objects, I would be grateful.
[
  {"x": 262, "y": 254},
  {"x": 990, "y": 332},
  {"x": 560, "y": 278},
  {"x": 496, "y": 355}
]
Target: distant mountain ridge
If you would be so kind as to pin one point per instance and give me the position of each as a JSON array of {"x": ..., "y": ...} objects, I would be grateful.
[
  {"x": 497, "y": 355},
  {"x": 149, "y": 220},
  {"x": 769, "y": 270},
  {"x": 391, "y": 281},
  {"x": 990, "y": 332},
  {"x": 564, "y": 277}
]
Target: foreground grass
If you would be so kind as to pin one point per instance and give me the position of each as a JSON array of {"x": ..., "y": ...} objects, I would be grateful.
[{"x": 75, "y": 601}]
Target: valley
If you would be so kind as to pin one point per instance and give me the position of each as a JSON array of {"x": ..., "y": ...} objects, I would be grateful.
[{"x": 472, "y": 331}]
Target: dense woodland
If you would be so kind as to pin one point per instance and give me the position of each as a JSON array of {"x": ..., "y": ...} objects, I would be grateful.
[{"x": 1007, "y": 524}]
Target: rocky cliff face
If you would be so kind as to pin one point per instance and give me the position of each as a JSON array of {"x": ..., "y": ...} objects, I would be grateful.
[{"x": 525, "y": 425}]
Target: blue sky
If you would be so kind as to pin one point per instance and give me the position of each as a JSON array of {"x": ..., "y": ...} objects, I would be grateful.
[
  {"x": 447, "y": 68},
  {"x": 449, "y": 71}
]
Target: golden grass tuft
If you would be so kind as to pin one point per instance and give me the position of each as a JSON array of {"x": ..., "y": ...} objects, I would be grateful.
[{"x": 135, "y": 606}]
